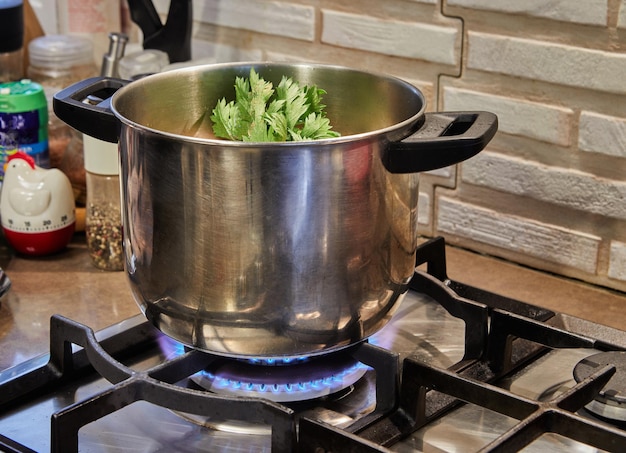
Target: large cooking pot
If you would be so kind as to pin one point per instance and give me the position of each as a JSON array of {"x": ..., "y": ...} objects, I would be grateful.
[{"x": 270, "y": 249}]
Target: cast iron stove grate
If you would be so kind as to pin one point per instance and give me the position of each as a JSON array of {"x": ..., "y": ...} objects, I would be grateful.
[
  {"x": 502, "y": 335},
  {"x": 158, "y": 385}
]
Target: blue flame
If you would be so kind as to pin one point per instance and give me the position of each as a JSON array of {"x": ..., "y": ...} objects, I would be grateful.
[
  {"x": 169, "y": 347},
  {"x": 290, "y": 390},
  {"x": 315, "y": 385},
  {"x": 278, "y": 361}
]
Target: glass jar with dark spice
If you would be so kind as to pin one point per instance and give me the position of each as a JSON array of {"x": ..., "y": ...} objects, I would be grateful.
[{"x": 103, "y": 217}]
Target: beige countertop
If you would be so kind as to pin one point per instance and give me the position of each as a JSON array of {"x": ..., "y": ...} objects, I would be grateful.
[
  {"x": 576, "y": 298},
  {"x": 68, "y": 284}
]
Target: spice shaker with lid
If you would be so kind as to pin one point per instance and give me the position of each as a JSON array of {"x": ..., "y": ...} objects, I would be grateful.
[{"x": 103, "y": 217}]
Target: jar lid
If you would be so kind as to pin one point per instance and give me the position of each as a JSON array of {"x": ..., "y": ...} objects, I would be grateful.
[
  {"x": 11, "y": 25},
  {"x": 60, "y": 51},
  {"x": 22, "y": 96},
  {"x": 141, "y": 63},
  {"x": 100, "y": 157}
]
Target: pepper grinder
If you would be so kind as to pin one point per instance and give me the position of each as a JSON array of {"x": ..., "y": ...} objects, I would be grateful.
[
  {"x": 110, "y": 60},
  {"x": 103, "y": 216}
]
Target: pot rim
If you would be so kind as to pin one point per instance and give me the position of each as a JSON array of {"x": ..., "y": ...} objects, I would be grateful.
[{"x": 394, "y": 132}]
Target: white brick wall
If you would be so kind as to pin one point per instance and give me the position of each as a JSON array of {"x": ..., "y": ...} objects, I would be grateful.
[
  {"x": 543, "y": 122},
  {"x": 207, "y": 52},
  {"x": 592, "y": 12},
  {"x": 569, "y": 188},
  {"x": 602, "y": 134},
  {"x": 424, "y": 209},
  {"x": 548, "y": 61},
  {"x": 391, "y": 37},
  {"x": 523, "y": 236},
  {"x": 617, "y": 263},
  {"x": 621, "y": 22},
  {"x": 271, "y": 17}
]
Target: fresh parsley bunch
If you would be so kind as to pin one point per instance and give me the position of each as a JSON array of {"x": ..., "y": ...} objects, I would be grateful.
[{"x": 261, "y": 113}]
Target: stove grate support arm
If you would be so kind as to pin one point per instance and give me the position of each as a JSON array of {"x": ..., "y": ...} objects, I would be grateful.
[{"x": 535, "y": 418}]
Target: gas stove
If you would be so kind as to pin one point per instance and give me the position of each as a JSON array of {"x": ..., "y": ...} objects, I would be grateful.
[{"x": 457, "y": 369}]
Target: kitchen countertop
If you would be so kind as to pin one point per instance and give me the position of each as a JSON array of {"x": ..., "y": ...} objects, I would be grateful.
[
  {"x": 65, "y": 283},
  {"x": 68, "y": 284}
]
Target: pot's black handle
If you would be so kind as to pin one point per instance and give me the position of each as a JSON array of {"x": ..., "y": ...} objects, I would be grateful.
[
  {"x": 444, "y": 138},
  {"x": 86, "y": 106}
]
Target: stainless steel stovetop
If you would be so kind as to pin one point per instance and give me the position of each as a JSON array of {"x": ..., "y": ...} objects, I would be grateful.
[{"x": 458, "y": 369}]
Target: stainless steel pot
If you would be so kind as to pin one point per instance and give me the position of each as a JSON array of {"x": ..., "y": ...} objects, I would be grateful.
[{"x": 270, "y": 249}]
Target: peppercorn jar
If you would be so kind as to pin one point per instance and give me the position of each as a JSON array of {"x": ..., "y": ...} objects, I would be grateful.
[{"x": 103, "y": 215}]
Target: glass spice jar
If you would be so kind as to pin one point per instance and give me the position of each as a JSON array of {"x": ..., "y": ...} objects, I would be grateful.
[
  {"x": 103, "y": 216},
  {"x": 56, "y": 62}
]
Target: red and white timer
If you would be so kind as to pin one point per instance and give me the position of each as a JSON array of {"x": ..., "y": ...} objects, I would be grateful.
[{"x": 37, "y": 208}]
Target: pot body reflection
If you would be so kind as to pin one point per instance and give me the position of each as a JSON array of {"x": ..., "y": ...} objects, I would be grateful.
[{"x": 266, "y": 252}]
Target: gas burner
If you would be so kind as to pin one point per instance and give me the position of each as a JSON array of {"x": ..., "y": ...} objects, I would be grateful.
[
  {"x": 610, "y": 403},
  {"x": 282, "y": 380}
]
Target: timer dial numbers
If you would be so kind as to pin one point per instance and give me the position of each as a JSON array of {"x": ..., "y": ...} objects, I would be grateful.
[{"x": 40, "y": 225}]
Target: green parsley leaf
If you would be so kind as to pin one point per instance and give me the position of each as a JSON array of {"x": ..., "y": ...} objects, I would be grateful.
[
  {"x": 261, "y": 113},
  {"x": 226, "y": 119}
]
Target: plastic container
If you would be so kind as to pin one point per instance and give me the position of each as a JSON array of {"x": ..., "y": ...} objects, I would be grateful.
[
  {"x": 139, "y": 64},
  {"x": 24, "y": 119},
  {"x": 56, "y": 62},
  {"x": 103, "y": 216},
  {"x": 11, "y": 40}
]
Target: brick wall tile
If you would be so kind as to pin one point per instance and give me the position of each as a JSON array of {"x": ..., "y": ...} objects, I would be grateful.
[
  {"x": 218, "y": 53},
  {"x": 593, "y": 12},
  {"x": 617, "y": 261},
  {"x": 621, "y": 18},
  {"x": 445, "y": 172},
  {"x": 422, "y": 41},
  {"x": 560, "y": 186},
  {"x": 548, "y": 62},
  {"x": 520, "y": 235},
  {"x": 423, "y": 209},
  {"x": 271, "y": 17},
  {"x": 602, "y": 134},
  {"x": 543, "y": 122}
]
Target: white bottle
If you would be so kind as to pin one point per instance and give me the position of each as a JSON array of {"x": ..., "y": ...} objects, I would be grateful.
[{"x": 103, "y": 216}]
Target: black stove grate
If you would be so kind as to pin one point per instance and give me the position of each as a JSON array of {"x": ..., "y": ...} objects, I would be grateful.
[
  {"x": 501, "y": 335},
  {"x": 426, "y": 391},
  {"x": 158, "y": 385},
  {"x": 504, "y": 335}
]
